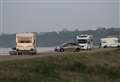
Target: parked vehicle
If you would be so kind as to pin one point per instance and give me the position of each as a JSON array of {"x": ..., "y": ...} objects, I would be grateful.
[
  {"x": 110, "y": 42},
  {"x": 68, "y": 47},
  {"x": 85, "y": 41},
  {"x": 26, "y": 43}
]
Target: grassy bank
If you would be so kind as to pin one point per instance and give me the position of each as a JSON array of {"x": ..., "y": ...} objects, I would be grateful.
[{"x": 99, "y": 66}]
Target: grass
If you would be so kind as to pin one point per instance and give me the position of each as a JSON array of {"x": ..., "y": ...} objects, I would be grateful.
[{"x": 99, "y": 66}]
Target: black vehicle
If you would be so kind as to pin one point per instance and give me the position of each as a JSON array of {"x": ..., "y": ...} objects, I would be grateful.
[{"x": 68, "y": 47}]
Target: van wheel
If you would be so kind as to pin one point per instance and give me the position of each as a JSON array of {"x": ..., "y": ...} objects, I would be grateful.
[
  {"x": 118, "y": 46},
  {"x": 19, "y": 53},
  {"x": 77, "y": 50},
  {"x": 105, "y": 46}
]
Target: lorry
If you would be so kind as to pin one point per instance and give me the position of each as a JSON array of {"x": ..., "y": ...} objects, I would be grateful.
[
  {"x": 26, "y": 43},
  {"x": 110, "y": 42},
  {"x": 85, "y": 41}
]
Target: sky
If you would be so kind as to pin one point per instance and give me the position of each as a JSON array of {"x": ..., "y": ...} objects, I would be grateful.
[{"x": 56, "y": 15}]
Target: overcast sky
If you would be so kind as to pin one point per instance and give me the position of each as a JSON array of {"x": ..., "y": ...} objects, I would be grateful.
[{"x": 55, "y": 15}]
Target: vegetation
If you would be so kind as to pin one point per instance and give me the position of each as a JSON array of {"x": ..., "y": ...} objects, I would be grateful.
[
  {"x": 99, "y": 66},
  {"x": 57, "y": 38}
]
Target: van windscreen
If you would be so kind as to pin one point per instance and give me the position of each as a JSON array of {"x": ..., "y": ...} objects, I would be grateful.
[
  {"x": 24, "y": 40},
  {"x": 82, "y": 41}
]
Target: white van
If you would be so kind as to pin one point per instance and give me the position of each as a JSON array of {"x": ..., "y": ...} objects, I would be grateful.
[
  {"x": 110, "y": 42},
  {"x": 85, "y": 41},
  {"x": 26, "y": 42}
]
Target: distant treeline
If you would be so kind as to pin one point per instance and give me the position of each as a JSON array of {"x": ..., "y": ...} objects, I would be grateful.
[{"x": 46, "y": 39}]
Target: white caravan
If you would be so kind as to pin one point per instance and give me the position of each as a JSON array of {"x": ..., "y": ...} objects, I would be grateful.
[
  {"x": 26, "y": 42},
  {"x": 85, "y": 41},
  {"x": 110, "y": 42}
]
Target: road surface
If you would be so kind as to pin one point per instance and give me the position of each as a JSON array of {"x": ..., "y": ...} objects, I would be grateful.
[
  {"x": 5, "y": 51},
  {"x": 42, "y": 52}
]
